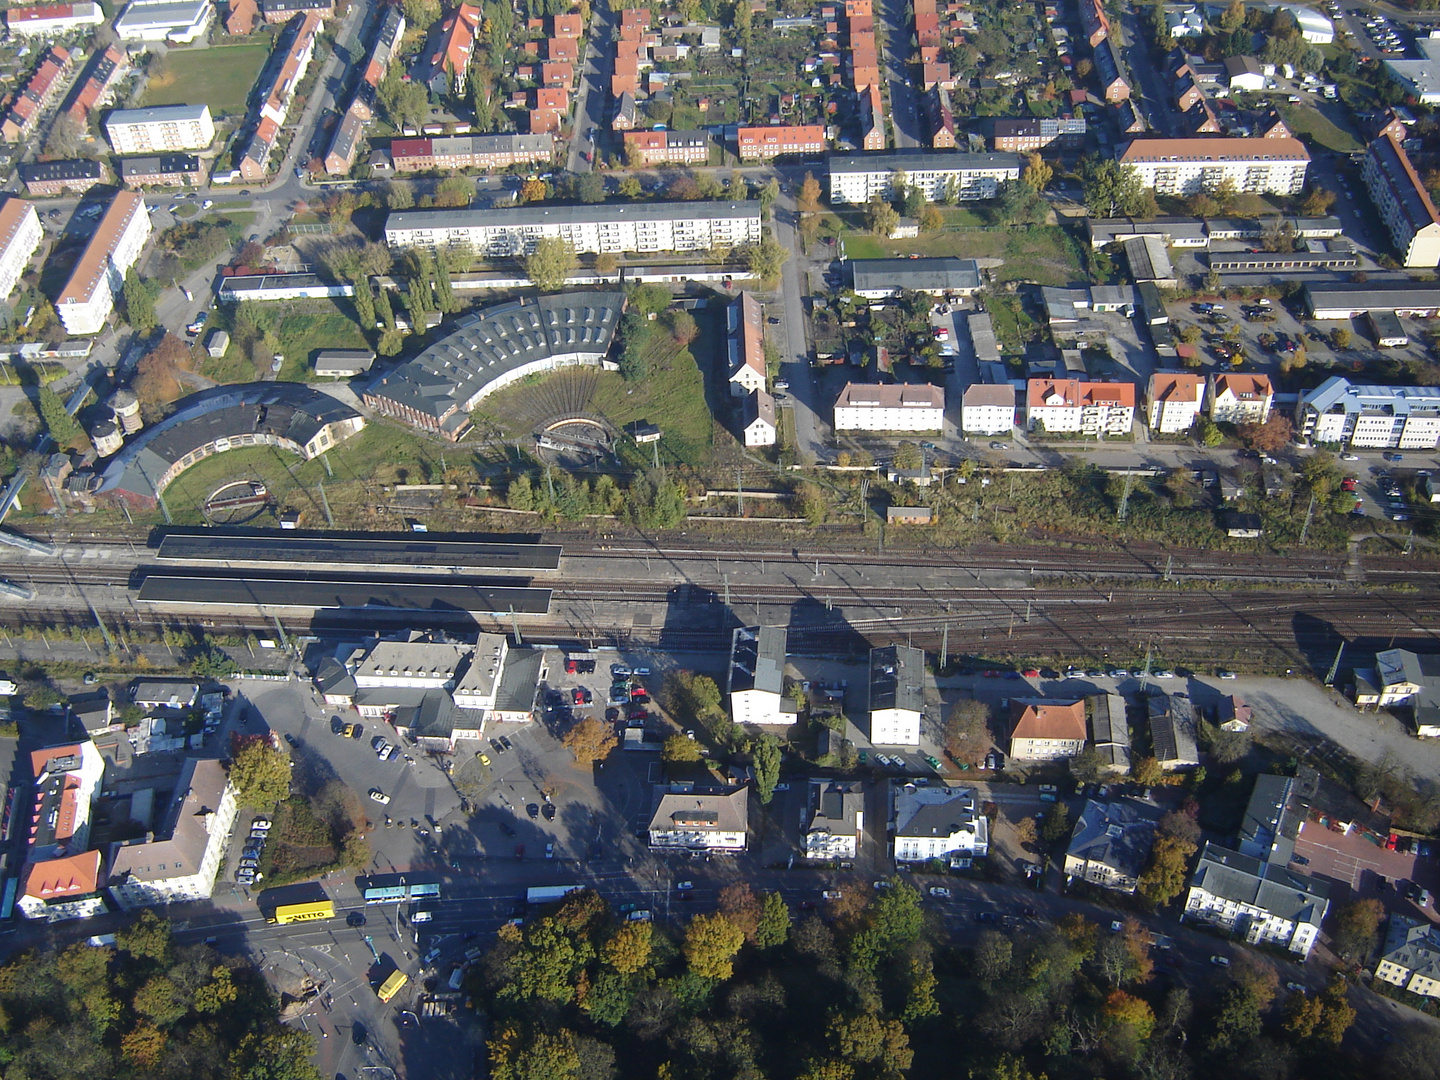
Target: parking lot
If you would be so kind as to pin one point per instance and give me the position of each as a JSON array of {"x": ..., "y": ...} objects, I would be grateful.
[{"x": 1359, "y": 867}]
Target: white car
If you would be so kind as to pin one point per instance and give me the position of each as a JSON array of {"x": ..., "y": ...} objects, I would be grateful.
[
  {"x": 379, "y": 796},
  {"x": 207, "y": 204},
  {"x": 939, "y": 892}
]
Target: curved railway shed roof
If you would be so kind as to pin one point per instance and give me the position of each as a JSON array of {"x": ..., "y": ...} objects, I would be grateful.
[
  {"x": 291, "y": 415},
  {"x": 358, "y": 549}
]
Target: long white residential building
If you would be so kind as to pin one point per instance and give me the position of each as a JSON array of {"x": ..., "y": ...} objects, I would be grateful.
[
  {"x": 858, "y": 178},
  {"x": 89, "y": 296},
  {"x": 48, "y": 20},
  {"x": 1340, "y": 413},
  {"x": 620, "y": 227},
  {"x": 890, "y": 407},
  {"x": 1403, "y": 201},
  {"x": 20, "y": 235},
  {"x": 1093, "y": 409},
  {"x": 1203, "y": 163},
  {"x": 163, "y": 129}
]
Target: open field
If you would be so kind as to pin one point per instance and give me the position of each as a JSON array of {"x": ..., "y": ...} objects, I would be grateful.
[
  {"x": 221, "y": 77},
  {"x": 304, "y": 328},
  {"x": 1308, "y": 120},
  {"x": 1045, "y": 254}
]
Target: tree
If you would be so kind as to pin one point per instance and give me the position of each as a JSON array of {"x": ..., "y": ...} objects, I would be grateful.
[
  {"x": 590, "y": 740},
  {"x": 742, "y": 907},
  {"x": 454, "y": 191},
  {"x": 766, "y": 259},
  {"x": 535, "y": 190},
  {"x": 766, "y": 754},
  {"x": 681, "y": 325},
  {"x": 809, "y": 201},
  {"x": 551, "y": 263},
  {"x": 1038, "y": 174},
  {"x": 1274, "y": 434},
  {"x": 1018, "y": 203},
  {"x": 60, "y": 425},
  {"x": 1147, "y": 772},
  {"x": 516, "y": 1055},
  {"x": 1164, "y": 877},
  {"x": 405, "y": 102},
  {"x": 1337, "y": 1014},
  {"x": 1056, "y": 826},
  {"x": 680, "y": 750},
  {"x": 66, "y": 135},
  {"x": 932, "y": 219},
  {"x": 881, "y": 218},
  {"x": 1112, "y": 189},
  {"x": 590, "y": 188},
  {"x": 1341, "y": 338},
  {"x": 711, "y": 942},
  {"x": 1087, "y": 767},
  {"x": 139, "y": 303},
  {"x": 1355, "y": 927},
  {"x": 606, "y": 263},
  {"x": 774, "y": 926},
  {"x": 1317, "y": 202},
  {"x": 1208, "y": 432},
  {"x": 1237, "y": 1022},
  {"x": 1233, "y": 17},
  {"x": 259, "y": 771},
  {"x": 628, "y": 949},
  {"x": 967, "y": 731},
  {"x": 630, "y": 187}
]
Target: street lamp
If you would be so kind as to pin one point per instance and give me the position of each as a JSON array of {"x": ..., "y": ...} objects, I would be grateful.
[{"x": 398, "y": 901}]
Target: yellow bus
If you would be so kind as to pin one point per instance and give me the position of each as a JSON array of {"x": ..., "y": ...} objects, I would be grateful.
[
  {"x": 391, "y": 986},
  {"x": 288, "y": 913}
]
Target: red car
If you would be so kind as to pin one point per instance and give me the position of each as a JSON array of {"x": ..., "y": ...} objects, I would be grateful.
[
  {"x": 1031, "y": 673},
  {"x": 636, "y": 713},
  {"x": 639, "y": 695},
  {"x": 570, "y": 665}
]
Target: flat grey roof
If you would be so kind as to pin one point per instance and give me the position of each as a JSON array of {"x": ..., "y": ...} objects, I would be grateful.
[
  {"x": 921, "y": 161},
  {"x": 159, "y": 113},
  {"x": 199, "y": 590},
  {"x": 897, "y": 678},
  {"x": 922, "y": 275},
  {"x": 597, "y": 213},
  {"x": 757, "y": 659},
  {"x": 332, "y": 549}
]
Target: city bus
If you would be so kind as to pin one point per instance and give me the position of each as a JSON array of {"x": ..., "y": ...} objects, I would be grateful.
[
  {"x": 391, "y": 986},
  {"x": 546, "y": 893},
  {"x": 393, "y": 888},
  {"x": 288, "y": 913}
]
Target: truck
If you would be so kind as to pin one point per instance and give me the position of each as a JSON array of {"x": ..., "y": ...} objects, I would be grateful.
[
  {"x": 392, "y": 986},
  {"x": 545, "y": 894}
]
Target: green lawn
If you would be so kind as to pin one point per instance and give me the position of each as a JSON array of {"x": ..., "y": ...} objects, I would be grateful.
[
  {"x": 304, "y": 327},
  {"x": 221, "y": 77},
  {"x": 1312, "y": 121}
]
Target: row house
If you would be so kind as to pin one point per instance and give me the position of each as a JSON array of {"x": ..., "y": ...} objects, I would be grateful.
[
  {"x": 470, "y": 152},
  {"x": 1114, "y": 85},
  {"x": 73, "y": 177},
  {"x": 1032, "y": 135},
  {"x": 96, "y": 83},
  {"x": 295, "y": 47},
  {"x": 1095, "y": 22},
  {"x": 446, "y": 59},
  {"x": 345, "y": 143},
  {"x": 1092, "y": 409},
  {"x": 549, "y": 106},
  {"x": 872, "y": 118},
  {"x": 38, "y": 92},
  {"x": 1240, "y": 398},
  {"x": 162, "y": 170},
  {"x": 1173, "y": 400},
  {"x": 644, "y": 149},
  {"x": 764, "y": 143},
  {"x": 50, "y": 20},
  {"x": 941, "y": 118}
]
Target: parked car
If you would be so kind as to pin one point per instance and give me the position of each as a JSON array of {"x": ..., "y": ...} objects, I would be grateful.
[
  {"x": 379, "y": 796},
  {"x": 939, "y": 892}
]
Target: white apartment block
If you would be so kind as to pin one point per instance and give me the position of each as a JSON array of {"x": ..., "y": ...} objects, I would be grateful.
[
  {"x": 1262, "y": 902},
  {"x": 1339, "y": 413},
  {"x": 182, "y": 866},
  {"x": 837, "y": 819},
  {"x": 641, "y": 227},
  {"x": 1410, "y": 957},
  {"x": 20, "y": 235},
  {"x": 1403, "y": 201},
  {"x": 1173, "y": 401},
  {"x": 1069, "y": 406},
  {"x": 1202, "y": 163},
  {"x": 48, "y": 20},
  {"x": 897, "y": 695},
  {"x": 890, "y": 407},
  {"x": 163, "y": 129},
  {"x": 89, "y": 296},
  {"x": 858, "y": 178},
  {"x": 1240, "y": 399},
  {"x": 938, "y": 823},
  {"x": 701, "y": 821},
  {"x": 988, "y": 409},
  {"x": 756, "y": 685}
]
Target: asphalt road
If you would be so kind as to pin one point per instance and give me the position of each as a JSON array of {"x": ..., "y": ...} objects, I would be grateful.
[
  {"x": 592, "y": 98},
  {"x": 904, "y": 114}
]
